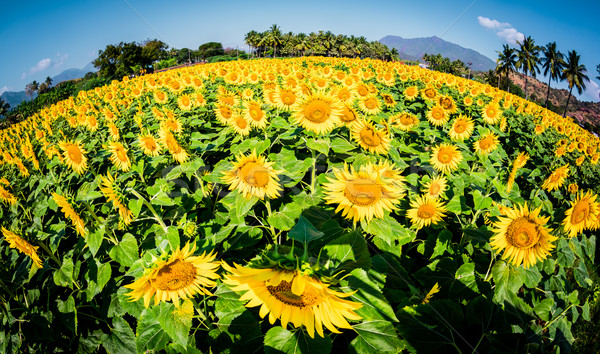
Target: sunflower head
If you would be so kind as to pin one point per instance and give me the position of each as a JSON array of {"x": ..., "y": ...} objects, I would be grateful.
[
  {"x": 253, "y": 175},
  {"x": 426, "y": 210},
  {"x": 582, "y": 215},
  {"x": 370, "y": 138},
  {"x": 175, "y": 276}
]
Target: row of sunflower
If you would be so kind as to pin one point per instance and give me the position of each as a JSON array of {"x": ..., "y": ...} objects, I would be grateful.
[{"x": 352, "y": 202}]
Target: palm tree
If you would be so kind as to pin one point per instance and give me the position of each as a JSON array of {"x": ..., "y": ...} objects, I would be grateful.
[
  {"x": 506, "y": 63},
  {"x": 528, "y": 59},
  {"x": 251, "y": 40},
  {"x": 552, "y": 63},
  {"x": 575, "y": 75},
  {"x": 4, "y": 107},
  {"x": 48, "y": 81},
  {"x": 303, "y": 43},
  {"x": 273, "y": 38}
]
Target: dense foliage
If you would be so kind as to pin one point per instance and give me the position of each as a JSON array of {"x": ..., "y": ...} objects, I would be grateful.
[{"x": 298, "y": 205}]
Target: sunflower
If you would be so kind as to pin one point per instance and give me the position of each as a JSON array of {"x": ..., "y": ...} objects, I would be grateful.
[
  {"x": 70, "y": 213},
  {"x": 349, "y": 116},
  {"x": 6, "y": 197},
  {"x": 179, "y": 276},
  {"x": 285, "y": 99},
  {"x": 462, "y": 128},
  {"x": 370, "y": 105},
  {"x": 580, "y": 160},
  {"x": 148, "y": 144},
  {"x": 491, "y": 113},
  {"x": 318, "y": 112},
  {"x": 168, "y": 141},
  {"x": 448, "y": 104},
  {"x": 445, "y": 157},
  {"x": 16, "y": 242},
  {"x": 252, "y": 175},
  {"x": 240, "y": 124},
  {"x": 345, "y": 94},
  {"x": 113, "y": 131},
  {"x": 404, "y": 121},
  {"x": 118, "y": 156},
  {"x": 519, "y": 162},
  {"x": 435, "y": 187},
  {"x": 411, "y": 92},
  {"x": 361, "y": 195},
  {"x": 160, "y": 97},
  {"x": 573, "y": 188},
  {"x": 523, "y": 236},
  {"x": 293, "y": 297},
  {"x": 254, "y": 114},
  {"x": 486, "y": 144},
  {"x": 425, "y": 210},
  {"x": 388, "y": 100},
  {"x": 437, "y": 116},
  {"x": 74, "y": 155},
  {"x": 370, "y": 138},
  {"x": 223, "y": 113},
  {"x": 583, "y": 214},
  {"x": 184, "y": 102},
  {"x": 113, "y": 194},
  {"x": 387, "y": 170},
  {"x": 429, "y": 93},
  {"x": 556, "y": 178}
]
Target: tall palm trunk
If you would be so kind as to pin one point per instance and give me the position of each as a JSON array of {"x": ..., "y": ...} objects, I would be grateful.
[
  {"x": 526, "y": 93},
  {"x": 507, "y": 82},
  {"x": 568, "y": 98},
  {"x": 548, "y": 93}
]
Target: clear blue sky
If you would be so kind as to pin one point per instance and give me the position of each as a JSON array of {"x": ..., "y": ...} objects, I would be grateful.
[{"x": 43, "y": 38}]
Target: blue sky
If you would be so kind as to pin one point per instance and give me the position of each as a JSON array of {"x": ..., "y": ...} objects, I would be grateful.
[{"x": 43, "y": 38}]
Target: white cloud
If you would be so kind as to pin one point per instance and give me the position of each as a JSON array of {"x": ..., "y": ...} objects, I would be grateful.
[
  {"x": 5, "y": 88},
  {"x": 46, "y": 63},
  {"x": 60, "y": 60},
  {"x": 503, "y": 30},
  {"x": 592, "y": 89},
  {"x": 41, "y": 66}
]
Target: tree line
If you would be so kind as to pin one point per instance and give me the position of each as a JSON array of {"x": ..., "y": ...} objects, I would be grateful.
[
  {"x": 273, "y": 42},
  {"x": 531, "y": 59}
]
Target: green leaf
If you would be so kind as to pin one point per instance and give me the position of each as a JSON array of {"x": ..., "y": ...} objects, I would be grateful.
[
  {"x": 126, "y": 251},
  {"x": 585, "y": 311},
  {"x": 104, "y": 274},
  {"x": 481, "y": 202},
  {"x": 321, "y": 145},
  {"x": 544, "y": 309},
  {"x": 368, "y": 293},
  {"x": 304, "y": 231},
  {"x": 389, "y": 230},
  {"x": 177, "y": 322},
  {"x": 466, "y": 275},
  {"x": 565, "y": 256},
  {"x": 286, "y": 218},
  {"x": 64, "y": 275},
  {"x": 458, "y": 204},
  {"x": 349, "y": 251},
  {"x": 121, "y": 339},
  {"x": 94, "y": 239},
  {"x": 582, "y": 276},
  {"x": 280, "y": 340},
  {"x": 508, "y": 279},
  {"x": 532, "y": 277},
  {"x": 376, "y": 336},
  {"x": 340, "y": 146},
  {"x": 149, "y": 333}
]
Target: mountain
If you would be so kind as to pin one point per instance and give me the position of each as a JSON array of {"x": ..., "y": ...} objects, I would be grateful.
[
  {"x": 15, "y": 98},
  {"x": 414, "y": 48}
]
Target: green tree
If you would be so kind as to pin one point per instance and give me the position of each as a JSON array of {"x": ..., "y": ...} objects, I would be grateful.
[
  {"x": 273, "y": 38},
  {"x": 506, "y": 63},
  {"x": 210, "y": 49},
  {"x": 553, "y": 62},
  {"x": 4, "y": 108},
  {"x": 575, "y": 75},
  {"x": 529, "y": 60},
  {"x": 251, "y": 39}
]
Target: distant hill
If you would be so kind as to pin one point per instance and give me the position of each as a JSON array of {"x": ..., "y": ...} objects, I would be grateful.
[
  {"x": 414, "y": 48},
  {"x": 15, "y": 98}
]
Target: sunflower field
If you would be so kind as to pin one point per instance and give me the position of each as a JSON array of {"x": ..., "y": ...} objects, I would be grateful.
[{"x": 297, "y": 205}]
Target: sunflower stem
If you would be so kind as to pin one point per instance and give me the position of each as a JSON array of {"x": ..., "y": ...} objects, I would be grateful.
[
  {"x": 313, "y": 172},
  {"x": 273, "y": 233},
  {"x": 45, "y": 248},
  {"x": 149, "y": 206}
]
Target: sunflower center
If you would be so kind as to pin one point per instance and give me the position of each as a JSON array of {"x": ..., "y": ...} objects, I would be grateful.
[
  {"x": 522, "y": 233},
  {"x": 241, "y": 123},
  {"x": 460, "y": 127},
  {"x": 226, "y": 112},
  {"x": 172, "y": 144},
  {"x": 363, "y": 192},
  {"x": 348, "y": 116},
  {"x": 434, "y": 189},
  {"x": 283, "y": 292},
  {"x": 426, "y": 211},
  {"x": 371, "y": 103},
  {"x": 491, "y": 112},
  {"x": 445, "y": 155},
  {"x": 369, "y": 137},
  {"x": 317, "y": 111},
  {"x": 288, "y": 98},
  {"x": 74, "y": 154},
  {"x": 256, "y": 113},
  {"x": 405, "y": 119},
  {"x": 255, "y": 174},
  {"x": 430, "y": 93},
  {"x": 486, "y": 143},
  {"x": 176, "y": 275},
  {"x": 437, "y": 114},
  {"x": 121, "y": 154},
  {"x": 581, "y": 212},
  {"x": 149, "y": 143}
]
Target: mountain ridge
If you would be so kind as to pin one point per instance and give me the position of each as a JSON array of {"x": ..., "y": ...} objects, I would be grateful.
[{"x": 414, "y": 48}]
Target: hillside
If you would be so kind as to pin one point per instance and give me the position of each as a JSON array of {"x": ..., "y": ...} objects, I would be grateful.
[
  {"x": 581, "y": 111},
  {"x": 414, "y": 48}
]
